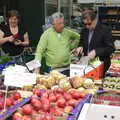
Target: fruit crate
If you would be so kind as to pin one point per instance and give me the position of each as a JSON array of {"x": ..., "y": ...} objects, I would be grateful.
[
  {"x": 106, "y": 98},
  {"x": 75, "y": 113},
  {"x": 57, "y": 116},
  {"x": 6, "y": 115},
  {"x": 111, "y": 84}
]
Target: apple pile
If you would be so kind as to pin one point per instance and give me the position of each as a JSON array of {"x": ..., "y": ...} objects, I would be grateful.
[
  {"x": 48, "y": 104},
  {"x": 11, "y": 100},
  {"x": 109, "y": 99}
]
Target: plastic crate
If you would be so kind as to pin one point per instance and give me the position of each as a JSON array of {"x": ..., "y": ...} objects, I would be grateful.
[
  {"x": 3, "y": 66},
  {"x": 75, "y": 113},
  {"x": 6, "y": 115},
  {"x": 97, "y": 72},
  {"x": 90, "y": 71}
]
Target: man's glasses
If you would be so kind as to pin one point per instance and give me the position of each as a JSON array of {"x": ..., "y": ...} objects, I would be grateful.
[{"x": 88, "y": 24}]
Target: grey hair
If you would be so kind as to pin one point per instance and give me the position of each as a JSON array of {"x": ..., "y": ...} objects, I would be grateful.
[{"x": 56, "y": 15}]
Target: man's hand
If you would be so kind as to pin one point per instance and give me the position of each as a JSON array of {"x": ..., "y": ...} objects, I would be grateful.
[
  {"x": 77, "y": 51},
  {"x": 36, "y": 70},
  {"x": 92, "y": 54}
]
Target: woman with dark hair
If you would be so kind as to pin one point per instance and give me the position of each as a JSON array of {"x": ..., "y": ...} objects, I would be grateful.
[{"x": 13, "y": 37}]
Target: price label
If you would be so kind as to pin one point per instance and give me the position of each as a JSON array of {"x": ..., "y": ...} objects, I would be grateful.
[{"x": 19, "y": 79}]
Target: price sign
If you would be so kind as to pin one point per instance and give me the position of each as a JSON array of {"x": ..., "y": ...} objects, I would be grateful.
[{"x": 17, "y": 79}]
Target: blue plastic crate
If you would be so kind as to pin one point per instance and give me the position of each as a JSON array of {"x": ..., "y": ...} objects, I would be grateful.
[
  {"x": 75, "y": 113},
  {"x": 12, "y": 109},
  {"x": 3, "y": 66}
]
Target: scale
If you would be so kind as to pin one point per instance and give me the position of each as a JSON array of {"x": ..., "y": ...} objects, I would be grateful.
[{"x": 99, "y": 112}]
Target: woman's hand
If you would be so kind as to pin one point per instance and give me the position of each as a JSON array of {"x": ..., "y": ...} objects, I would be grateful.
[{"x": 10, "y": 38}]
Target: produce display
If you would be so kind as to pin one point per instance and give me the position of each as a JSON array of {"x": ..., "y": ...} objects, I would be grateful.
[
  {"x": 111, "y": 83},
  {"x": 56, "y": 80},
  {"x": 11, "y": 100},
  {"x": 107, "y": 98},
  {"x": 55, "y": 96},
  {"x": 114, "y": 69},
  {"x": 54, "y": 104}
]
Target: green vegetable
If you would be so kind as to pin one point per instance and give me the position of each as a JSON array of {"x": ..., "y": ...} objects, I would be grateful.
[{"x": 5, "y": 59}]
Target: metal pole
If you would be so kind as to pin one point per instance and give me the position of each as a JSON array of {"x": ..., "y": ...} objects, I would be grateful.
[{"x": 59, "y": 6}]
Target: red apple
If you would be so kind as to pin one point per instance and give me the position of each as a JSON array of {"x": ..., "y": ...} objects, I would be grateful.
[
  {"x": 27, "y": 109},
  {"x": 72, "y": 102},
  {"x": 52, "y": 98},
  {"x": 9, "y": 102},
  {"x": 46, "y": 107},
  {"x": 61, "y": 102},
  {"x": 17, "y": 116},
  {"x": 34, "y": 112},
  {"x": 83, "y": 94},
  {"x": 45, "y": 104},
  {"x": 68, "y": 109},
  {"x": 58, "y": 95},
  {"x": 52, "y": 110},
  {"x": 58, "y": 112},
  {"x": 38, "y": 118},
  {"x": 27, "y": 117},
  {"x": 59, "y": 90},
  {"x": 36, "y": 103},
  {"x": 67, "y": 96},
  {"x": 45, "y": 95},
  {"x": 16, "y": 95},
  {"x": 37, "y": 92},
  {"x": 76, "y": 95},
  {"x": 48, "y": 117}
]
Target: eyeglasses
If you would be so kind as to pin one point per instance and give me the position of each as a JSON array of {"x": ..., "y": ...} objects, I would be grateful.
[{"x": 88, "y": 24}]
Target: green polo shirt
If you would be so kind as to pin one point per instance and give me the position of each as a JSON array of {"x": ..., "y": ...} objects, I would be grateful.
[{"x": 56, "y": 47}]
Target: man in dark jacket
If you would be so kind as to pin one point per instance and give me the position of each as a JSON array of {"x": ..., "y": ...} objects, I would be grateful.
[{"x": 96, "y": 39}]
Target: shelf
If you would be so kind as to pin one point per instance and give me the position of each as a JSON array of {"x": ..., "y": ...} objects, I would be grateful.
[
  {"x": 106, "y": 14},
  {"x": 110, "y": 23},
  {"x": 110, "y": 16},
  {"x": 116, "y": 35},
  {"x": 115, "y": 31}
]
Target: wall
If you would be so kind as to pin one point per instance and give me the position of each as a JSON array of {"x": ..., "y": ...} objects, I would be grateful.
[{"x": 33, "y": 16}]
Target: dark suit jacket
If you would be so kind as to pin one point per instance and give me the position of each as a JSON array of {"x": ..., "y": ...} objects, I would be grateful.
[{"x": 101, "y": 42}]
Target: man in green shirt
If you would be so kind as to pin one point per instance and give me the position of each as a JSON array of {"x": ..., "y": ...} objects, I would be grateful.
[{"x": 56, "y": 43}]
